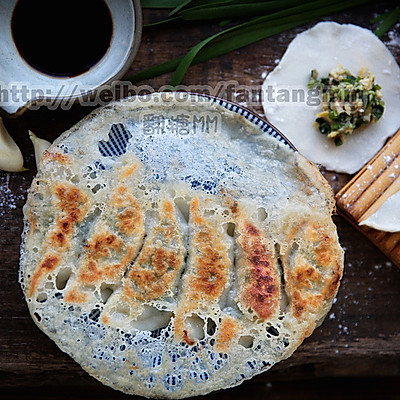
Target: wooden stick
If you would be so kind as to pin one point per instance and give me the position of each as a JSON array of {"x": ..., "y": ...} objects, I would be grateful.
[
  {"x": 375, "y": 192},
  {"x": 371, "y": 172},
  {"x": 390, "y": 191}
]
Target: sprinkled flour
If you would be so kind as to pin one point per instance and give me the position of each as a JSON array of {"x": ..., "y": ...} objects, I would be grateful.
[
  {"x": 8, "y": 199},
  {"x": 393, "y": 37}
]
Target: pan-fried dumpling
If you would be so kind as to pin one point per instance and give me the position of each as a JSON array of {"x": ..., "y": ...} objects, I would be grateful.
[{"x": 176, "y": 244}]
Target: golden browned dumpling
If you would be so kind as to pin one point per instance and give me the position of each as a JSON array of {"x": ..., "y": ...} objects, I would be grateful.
[{"x": 176, "y": 244}]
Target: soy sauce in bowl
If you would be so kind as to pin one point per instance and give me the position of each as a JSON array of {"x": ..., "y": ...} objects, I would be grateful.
[{"x": 62, "y": 38}]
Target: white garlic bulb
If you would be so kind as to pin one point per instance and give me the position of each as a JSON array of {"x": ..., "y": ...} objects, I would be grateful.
[
  {"x": 10, "y": 155},
  {"x": 40, "y": 145}
]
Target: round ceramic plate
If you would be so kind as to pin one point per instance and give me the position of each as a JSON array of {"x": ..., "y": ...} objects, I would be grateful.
[{"x": 177, "y": 244}]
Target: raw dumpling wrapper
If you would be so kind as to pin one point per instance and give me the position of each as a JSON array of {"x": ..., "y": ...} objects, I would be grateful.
[
  {"x": 323, "y": 47},
  {"x": 387, "y": 217}
]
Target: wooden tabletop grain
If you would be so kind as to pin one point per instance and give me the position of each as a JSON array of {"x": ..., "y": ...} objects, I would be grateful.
[{"x": 355, "y": 354}]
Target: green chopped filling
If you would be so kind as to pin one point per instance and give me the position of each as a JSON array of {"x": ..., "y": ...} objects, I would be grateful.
[{"x": 348, "y": 102}]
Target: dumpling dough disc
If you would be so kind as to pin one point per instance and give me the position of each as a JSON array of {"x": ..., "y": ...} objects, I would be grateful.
[
  {"x": 323, "y": 47},
  {"x": 387, "y": 217}
]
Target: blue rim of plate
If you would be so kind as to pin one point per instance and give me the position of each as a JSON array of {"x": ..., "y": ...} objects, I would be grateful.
[{"x": 252, "y": 117}]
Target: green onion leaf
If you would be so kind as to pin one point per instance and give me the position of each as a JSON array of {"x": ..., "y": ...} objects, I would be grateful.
[
  {"x": 323, "y": 126},
  {"x": 249, "y": 32},
  {"x": 338, "y": 141},
  {"x": 342, "y": 93},
  {"x": 387, "y": 21},
  {"x": 237, "y": 11},
  {"x": 224, "y": 23},
  {"x": 333, "y": 114},
  {"x": 184, "y": 64},
  {"x": 349, "y": 79},
  {"x": 160, "y": 3},
  {"x": 378, "y": 111},
  {"x": 314, "y": 74},
  {"x": 179, "y": 7},
  {"x": 159, "y": 23},
  {"x": 313, "y": 79},
  {"x": 336, "y": 126}
]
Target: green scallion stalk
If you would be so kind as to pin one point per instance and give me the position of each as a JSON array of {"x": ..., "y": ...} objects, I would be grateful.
[
  {"x": 387, "y": 20},
  {"x": 160, "y": 3},
  {"x": 289, "y": 15}
]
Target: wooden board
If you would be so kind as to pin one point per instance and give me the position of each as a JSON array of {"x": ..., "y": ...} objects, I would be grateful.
[
  {"x": 354, "y": 354},
  {"x": 368, "y": 190}
]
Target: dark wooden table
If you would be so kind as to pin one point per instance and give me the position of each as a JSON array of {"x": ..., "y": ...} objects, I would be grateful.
[{"x": 355, "y": 354}]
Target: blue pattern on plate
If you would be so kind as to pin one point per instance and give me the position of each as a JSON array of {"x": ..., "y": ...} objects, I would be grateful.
[{"x": 118, "y": 140}]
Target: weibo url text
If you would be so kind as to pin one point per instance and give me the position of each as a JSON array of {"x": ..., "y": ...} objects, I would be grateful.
[{"x": 64, "y": 96}]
